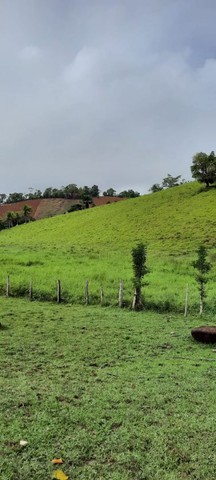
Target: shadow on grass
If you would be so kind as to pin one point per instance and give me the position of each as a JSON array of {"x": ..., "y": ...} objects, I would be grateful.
[
  {"x": 204, "y": 189},
  {"x": 3, "y": 327}
]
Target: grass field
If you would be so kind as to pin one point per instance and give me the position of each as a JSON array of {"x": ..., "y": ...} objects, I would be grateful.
[
  {"x": 117, "y": 395},
  {"x": 96, "y": 245}
]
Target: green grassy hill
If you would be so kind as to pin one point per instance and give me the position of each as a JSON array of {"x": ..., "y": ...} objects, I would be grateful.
[{"x": 96, "y": 245}]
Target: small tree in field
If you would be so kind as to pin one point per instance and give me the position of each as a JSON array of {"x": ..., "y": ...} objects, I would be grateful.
[
  {"x": 140, "y": 270},
  {"x": 203, "y": 267}
]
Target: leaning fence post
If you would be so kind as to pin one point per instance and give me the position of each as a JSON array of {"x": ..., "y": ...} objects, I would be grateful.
[
  {"x": 58, "y": 291},
  {"x": 8, "y": 286},
  {"x": 186, "y": 301},
  {"x": 121, "y": 293},
  {"x": 87, "y": 293}
]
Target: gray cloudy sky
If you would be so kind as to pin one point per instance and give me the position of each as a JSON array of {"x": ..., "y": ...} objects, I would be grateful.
[{"x": 110, "y": 92}]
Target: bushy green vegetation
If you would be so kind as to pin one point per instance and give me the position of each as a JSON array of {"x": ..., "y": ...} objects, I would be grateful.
[
  {"x": 96, "y": 245},
  {"x": 16, "y": 218},
  {"x": 116, "y": 394},
  {"x": 168, "y": 182}
]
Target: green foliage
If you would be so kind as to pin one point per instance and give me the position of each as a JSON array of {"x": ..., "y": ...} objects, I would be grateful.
[
  {"x": 48, "y": 192},
  {"x": 10, "y": 219},
  {"x": 170, "y": 181},
  {"x": 139, "y": 254},
  {"x": 3, "y": 197},
  {"x": 203, "y": 267},
  {"x": 140, "y": 270},
  {"x": 70, "y": 191},
  {"x": 201, "y": 263},
  {"x": 34, "y": 194},
  {"x": 27, "y": 212},
  {"x": 110, "y": 192},
  {"x": 156, "y": 187},
  {"x": 15, "y": 197},
  {"x": 95, "y": 191},
  {"x": 86, "y": 196},
  {"x": 203, "y": 168},
  {"x": 129, "y": 194},
  {"x": 74, "y": 208}
]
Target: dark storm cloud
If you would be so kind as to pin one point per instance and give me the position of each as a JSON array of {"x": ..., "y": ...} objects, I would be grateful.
[{"x": 116, "y": 93}]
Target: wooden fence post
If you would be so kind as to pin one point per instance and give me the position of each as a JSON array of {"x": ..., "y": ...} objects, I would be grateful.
[
  {"x": 134, "y": 300},
  {"x": 30, "y": 290},
  {"x": 186, "y": 301},
  {"x": 121, "y": 294},
  {"x": 58, "y": 291},
  {"x": 87, "y": 293},
  {"x": 8, "y": 286}
]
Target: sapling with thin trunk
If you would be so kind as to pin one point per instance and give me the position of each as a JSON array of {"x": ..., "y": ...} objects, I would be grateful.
[
  {"x": 203, "y": 268},
  {"x": 139, "y": 254}
]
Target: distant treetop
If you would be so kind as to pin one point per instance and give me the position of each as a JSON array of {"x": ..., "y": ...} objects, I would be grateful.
[{"x": 168, "y": 182}]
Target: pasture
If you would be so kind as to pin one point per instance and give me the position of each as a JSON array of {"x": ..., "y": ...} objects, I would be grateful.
[
  {"x": 118, "y": 395},
  {"x": 96, "y": 245}
]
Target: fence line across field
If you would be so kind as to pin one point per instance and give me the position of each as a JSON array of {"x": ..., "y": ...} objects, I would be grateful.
[
  {"x": 59, "y": 292},
  {"x": 87, "y": 295}
]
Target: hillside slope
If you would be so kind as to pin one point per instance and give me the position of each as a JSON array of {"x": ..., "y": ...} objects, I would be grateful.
[
  {"x": 168, "y": 220},
  {"x": 96, "y": 244}
]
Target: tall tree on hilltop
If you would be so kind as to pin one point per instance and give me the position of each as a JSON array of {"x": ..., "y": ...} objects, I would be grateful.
[
  {"x": 110, "y": 192},
  {"x": 48, "y": 192},
  {"x": 203, "y": 168},
  {"x": 86, "y": 196},
  {"x": 15, "y": 197},
  {"x": 33, "y": 194},
  {"x": 129, "y": 194},
  {"x": 95, "y": 191},
  {"x": 3, "y": 197},
  {"x": 71, "y": 191}
]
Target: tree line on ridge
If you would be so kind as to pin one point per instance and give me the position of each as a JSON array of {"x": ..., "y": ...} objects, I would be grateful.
[{"x": 71, "y": 191}]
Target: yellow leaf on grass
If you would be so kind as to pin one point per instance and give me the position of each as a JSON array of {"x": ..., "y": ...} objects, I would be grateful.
[
  {"x": 57, "y": 461},
  {"x": 59, "y": 475}
]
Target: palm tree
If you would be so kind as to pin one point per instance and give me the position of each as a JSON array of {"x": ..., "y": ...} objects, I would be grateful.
[
  {"x": 10, "y": 219},
  {"x": 17, "y": 218},
  {"x": 26, "y": 212}
]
